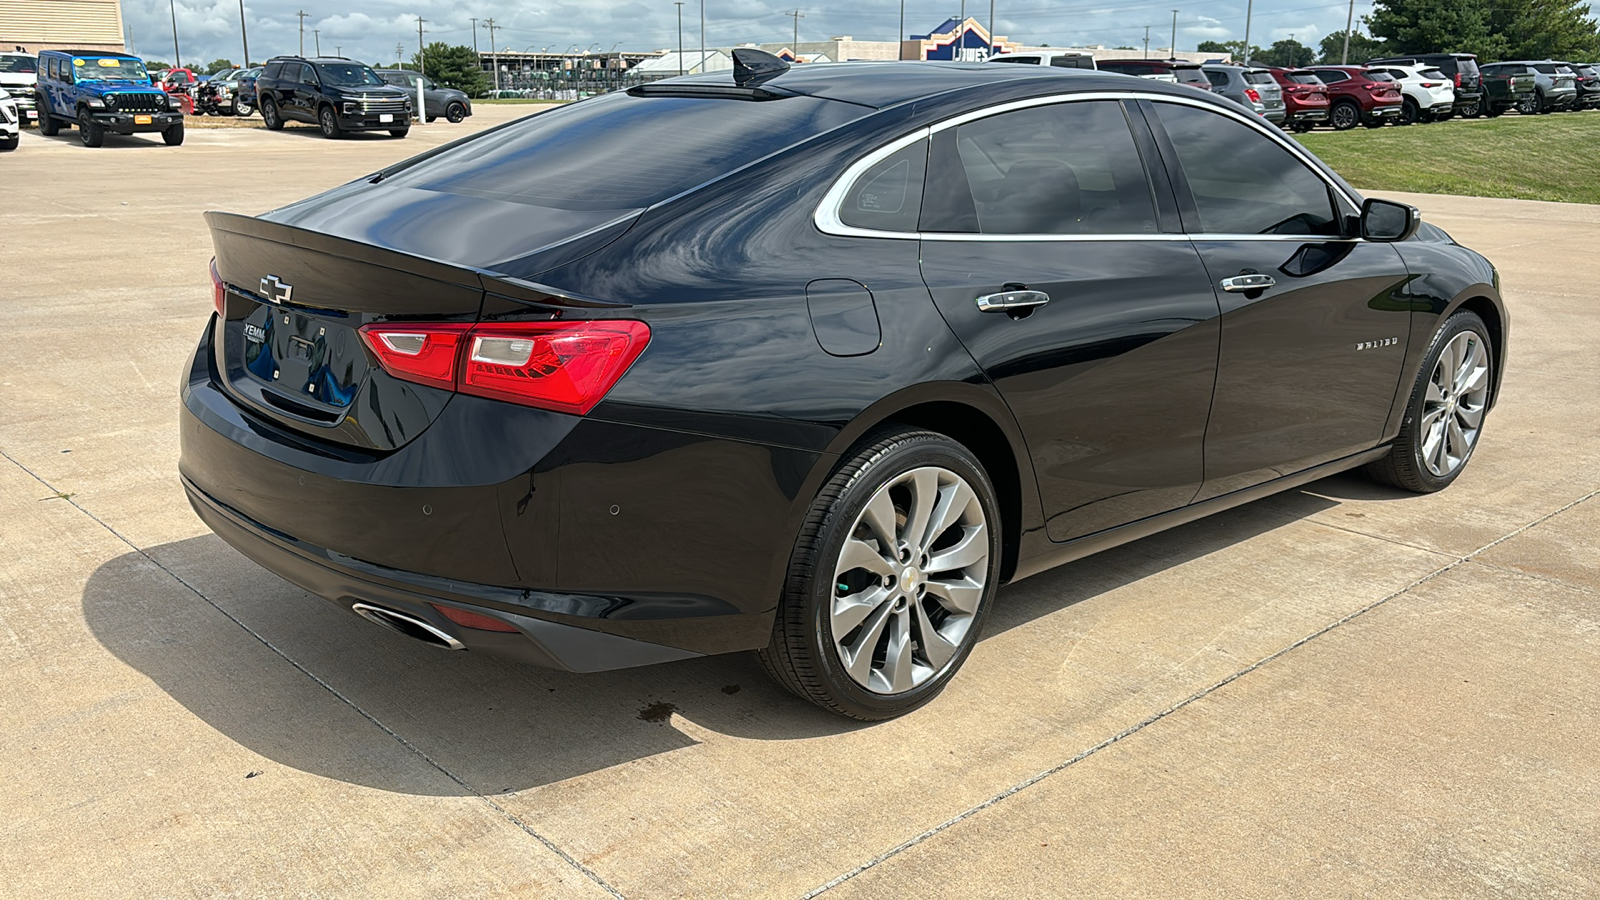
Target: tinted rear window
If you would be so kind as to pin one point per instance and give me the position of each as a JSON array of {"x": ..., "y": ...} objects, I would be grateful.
[
  {"x": 1435, "y": 74},
  {"x": 1073, "y": 62},
  {"x": 1304, "y": 78},
  {"x": 1259, "y": 78},
  {"x": 1379, "y": 76},
  {"x": 1467, "y": 66},
  {"x": 1013, "y": 59},
  {"x": 1112, "y": 65},
  {"x": 618, "y": 151},
  {"x": 1190, "y": 76}
]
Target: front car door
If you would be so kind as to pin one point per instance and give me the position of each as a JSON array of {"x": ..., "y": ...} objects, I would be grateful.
[
  {"x": 1314, "y": 320},
  {"x": 1110, "y": 374}
]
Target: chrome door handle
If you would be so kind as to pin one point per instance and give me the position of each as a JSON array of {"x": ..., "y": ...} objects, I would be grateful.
[
  {"x": 1239, "y": 284},
  {"x": 1009, "y": 300}
]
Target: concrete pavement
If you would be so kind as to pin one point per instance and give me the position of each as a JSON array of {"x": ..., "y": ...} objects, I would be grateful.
[{"x": 1338, "y": 690}]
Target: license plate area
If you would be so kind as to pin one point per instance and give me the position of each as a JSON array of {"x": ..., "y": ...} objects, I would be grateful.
[
  {"x": 142, "y": 120},
  {"x": 309, "y": 364},
  {"x": 386, "y": 117}
]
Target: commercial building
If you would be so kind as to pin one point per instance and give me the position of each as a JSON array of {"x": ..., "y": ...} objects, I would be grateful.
[{"x": 35, "y": 25}]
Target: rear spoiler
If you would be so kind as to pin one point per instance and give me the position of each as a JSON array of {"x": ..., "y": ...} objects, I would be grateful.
[{"x": 401, "y": 264}]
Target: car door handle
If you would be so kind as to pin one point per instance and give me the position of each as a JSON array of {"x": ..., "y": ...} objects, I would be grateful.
[
  {"x": 1240, "y": 284},
  {"x": 1011, "y": 300}
]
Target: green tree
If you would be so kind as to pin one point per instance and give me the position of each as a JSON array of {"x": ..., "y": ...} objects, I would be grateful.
[
  {"x": 1290, "y": 54},
  {"x": 1362, "y": 48},
  {"x": 218, "y": 65},
  {"x": 1546, "y": 29},
  {"x": 1233, "y": 49},
  {"x": 156, "y": 65},
  {"x": 457, "y": 67},
  {"x": 1427, "y": 26}
]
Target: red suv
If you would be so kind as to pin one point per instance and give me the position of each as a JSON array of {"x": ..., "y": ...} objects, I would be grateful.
[
  {"x": 1359, "y": 95},
  {"x": 1305, "y": 98}
]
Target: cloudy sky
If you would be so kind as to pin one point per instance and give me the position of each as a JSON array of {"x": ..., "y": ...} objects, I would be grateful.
[{"x": 371, "y": 29}]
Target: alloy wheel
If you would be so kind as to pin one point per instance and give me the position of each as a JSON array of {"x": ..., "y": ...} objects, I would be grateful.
[
  {"x": 1345, "y": 116},
  {"x": 1453, "y": 407},
  {"x": 909, "y": 579}
]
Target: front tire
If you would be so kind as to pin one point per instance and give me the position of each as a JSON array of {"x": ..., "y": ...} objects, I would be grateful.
[
  {"x": 48, "y": 126},
  {"x": 173, "y": 135},
  {"x": 1344, "y": 116},
  {"x": 328, "y": 121},
  {"x": 1410, "y": 113},
  {"x": 91, "y": 134},
  {"x": 1444, "y": 416},
  {"x": 889, "y": 580},
  {"x": 455, "y": 113},
  {"x": 400, "y": 132},
  {"x": 10, "y": 142}
]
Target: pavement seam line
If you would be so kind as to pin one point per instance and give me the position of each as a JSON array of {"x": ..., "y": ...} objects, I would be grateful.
[
  {"x": 1181, "y": 704},
  {"x": 419, "y": 752}
]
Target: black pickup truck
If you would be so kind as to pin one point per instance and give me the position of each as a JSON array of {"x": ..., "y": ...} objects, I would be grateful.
[{"x": 1506, "y": 88}]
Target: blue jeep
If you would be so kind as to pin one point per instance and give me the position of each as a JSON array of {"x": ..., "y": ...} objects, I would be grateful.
[{"x": 101, "y": 92}]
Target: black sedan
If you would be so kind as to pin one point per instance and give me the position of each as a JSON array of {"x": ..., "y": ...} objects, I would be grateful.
[{"x": 811, "y": 361}]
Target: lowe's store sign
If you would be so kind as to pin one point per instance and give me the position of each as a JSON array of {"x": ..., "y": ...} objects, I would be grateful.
[{"x": 962, "y": 41}]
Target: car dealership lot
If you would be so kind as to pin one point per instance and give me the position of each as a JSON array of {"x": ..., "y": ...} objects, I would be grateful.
[{"x": 1341, "y": 689}]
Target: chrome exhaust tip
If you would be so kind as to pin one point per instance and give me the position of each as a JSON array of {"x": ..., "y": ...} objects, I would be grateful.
[{"x": 408, "y": 625}]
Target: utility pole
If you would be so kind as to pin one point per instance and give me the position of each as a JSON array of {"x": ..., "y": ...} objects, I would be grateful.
[
  {"x": 1173, "y": 50},
  {"x": 177, "y": 58},
  {"x": 399, "y": 55},
  {"x": 794, "y": 47},
  {"x": 991, "y": 27},
  {"x": 902, "y": 35},
  {"x": 1147, "y": 42},
  {"x": 1248, "y": 9},
  {"x": 703, "y": 36},
  {"x": 302, "y": 14},
  {"x": 245, "y": 35},
  {"x": 679, "y": 5},
  {"x": 316, "y": 36},
  {"x": 494, "y": 59},
  {"x": 475, "y": 41},
  {"x": 421, "y": 69},
  {"x": 1349, "y": 19}
]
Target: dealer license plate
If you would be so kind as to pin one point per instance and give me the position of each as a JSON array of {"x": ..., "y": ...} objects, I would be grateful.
[
  {"x": 142, "y": 120},
  {"x": 386, "y": 117}
]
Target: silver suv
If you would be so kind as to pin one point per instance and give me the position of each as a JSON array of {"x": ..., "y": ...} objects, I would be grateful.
[
  {"x": 1555, "y": 85},
  {"x": 1254, "y": 89}
]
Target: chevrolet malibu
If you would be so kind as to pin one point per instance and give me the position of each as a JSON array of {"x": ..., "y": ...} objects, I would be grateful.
[{"x": 810, "y": 362}]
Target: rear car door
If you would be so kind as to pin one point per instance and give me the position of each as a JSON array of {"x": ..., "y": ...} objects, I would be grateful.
[
  {"x": 1314, "y": 326},
  {"x": 305, "y": 92},
  {"x": 1109, "y": 370}
]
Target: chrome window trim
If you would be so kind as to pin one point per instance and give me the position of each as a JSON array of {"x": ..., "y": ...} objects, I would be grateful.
[{"x": 826, "y": 217}]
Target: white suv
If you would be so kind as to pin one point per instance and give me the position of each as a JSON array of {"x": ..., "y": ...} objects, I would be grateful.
[
  {"x": 1061, "y": 59},
  {"x": 10, "y": 127},
  {"x": 1429, "y": 93}
]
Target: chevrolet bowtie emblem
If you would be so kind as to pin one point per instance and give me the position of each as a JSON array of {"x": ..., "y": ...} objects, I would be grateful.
[{"x": 275, "y": 290}]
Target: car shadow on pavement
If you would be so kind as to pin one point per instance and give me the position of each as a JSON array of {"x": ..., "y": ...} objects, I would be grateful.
[{"x": 302, "y": 681}]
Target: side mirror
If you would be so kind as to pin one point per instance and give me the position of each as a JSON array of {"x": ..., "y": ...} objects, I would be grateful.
[{"x": 1388, "y": 221}]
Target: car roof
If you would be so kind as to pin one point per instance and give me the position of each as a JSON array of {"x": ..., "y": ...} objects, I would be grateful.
[
  {"x": 879, "y": 85},
  {"x": 108, "y": 54}
]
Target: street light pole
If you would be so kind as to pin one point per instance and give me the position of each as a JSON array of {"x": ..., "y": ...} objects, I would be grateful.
[
  {"x": 1147, "y": 42},
  {"x": 1349, "y": 20},
  {"x": 316, "y": 38},
  {"x": 1248, "y": 9},
  {"x": 1173, "y": 50},
  {"x": 679, "y": 5},
  {"x": 991, "y": 27},
  {"x": 702, "y": 37},
  {"x": 476, "y": 55},
  {"x": 302, "y": 14}
]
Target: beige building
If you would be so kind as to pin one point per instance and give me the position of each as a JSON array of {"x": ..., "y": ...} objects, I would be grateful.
[{"x": 36, "y": 25}]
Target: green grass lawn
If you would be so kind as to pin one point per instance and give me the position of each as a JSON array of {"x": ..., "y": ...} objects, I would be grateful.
[{"x": 1551, "y": 157}]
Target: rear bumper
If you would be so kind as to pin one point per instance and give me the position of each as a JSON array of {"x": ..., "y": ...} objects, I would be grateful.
[
  {"x": 1383, "y": 113},
  {"x": 347, "y": 581},
  {"x": 576, "y": 531},
  {"x": 1309, "y": 114}
]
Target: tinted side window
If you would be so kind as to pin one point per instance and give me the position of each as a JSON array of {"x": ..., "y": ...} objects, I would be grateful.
[
  {"x": 1332, "y": 76},
  {"x": 1068, "y": 168},
  {"x": 888, "y": 196},
  {"x": 1243, "y": 182},
  {"x": 273, "y": 70},
  {"x": 1014, "y": 59},
  {"x": 1546, "y": 69},
  {"x": 1218, "y": 78},
  {"x": 1126, "y": 69},
  {"x": 1072, "y": 62}
]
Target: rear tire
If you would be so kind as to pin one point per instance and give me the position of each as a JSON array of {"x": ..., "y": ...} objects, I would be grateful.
[
  {"x": 1473, "y": 110},
  {"x": 910, "y": 612},
  {"x": 243, "y": 109},
  {"x": 1410, "y": 113},
  {"x": 1344, "y": 115},
  {"x": 1444, "y": 415},
  {"x": 270, "y": 116},
  {"x": 173, "y": 135},
  {"x": 91, "y": 134}
]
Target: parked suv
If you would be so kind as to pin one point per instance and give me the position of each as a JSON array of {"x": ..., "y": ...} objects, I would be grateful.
[
  {"x": 1254, "y": 89},
  {"x": 1460, "y": 68},
  {"x": 101, "y": 92},
  {"x": 1182, "y": 72},
  {"x": 1305, "y": 98},
  {"x": 1587, "y": 83},
  {"x": 1360, "y": 96},
  {"x": 1426, "y": 93},
  {"x": 450, "y": 103},
  {"x": 19, "y": 77},
  {"x": 1554, "y": 85},
  {"x": 10, "y": 126},
  {"x": 336, "y": 94},
  {"x": 1060, "y": 59}
]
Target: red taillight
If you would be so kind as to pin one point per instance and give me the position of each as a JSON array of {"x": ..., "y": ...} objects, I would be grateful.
[
  {"x": 1432, "y": 84},
  {"x": 1458, "y": 79},
  {"x": 425, "y": 354},
  {"x": 564, "y": 366},
  {"x": 1253, "y": 94},
  {"x": 472, "y": 619},
  {"x": 219, "y": 297}
]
